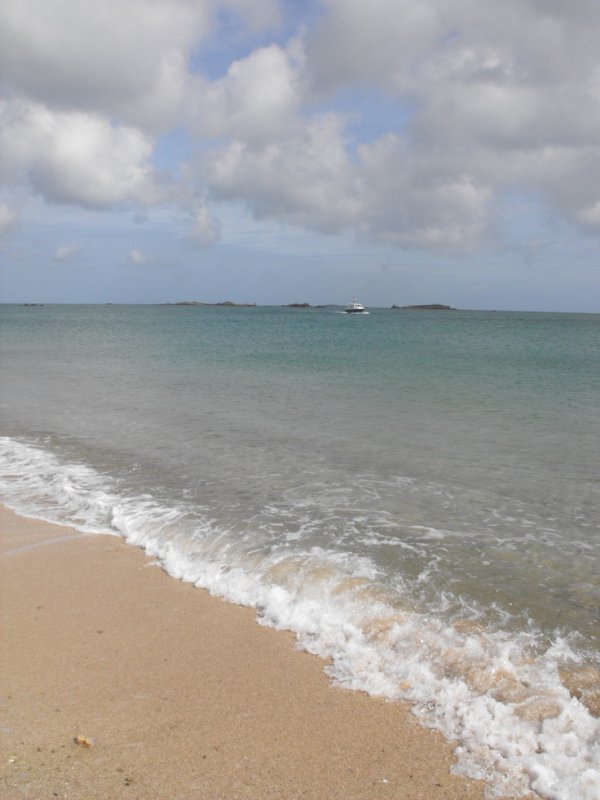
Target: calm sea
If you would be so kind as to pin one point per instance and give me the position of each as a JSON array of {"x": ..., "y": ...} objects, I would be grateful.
[{"x": 416, "y": 494}]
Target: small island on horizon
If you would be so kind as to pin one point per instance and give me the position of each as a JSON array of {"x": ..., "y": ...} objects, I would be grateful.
[
  {"x": 426, "y": 307},
  {"x": 226, "y": 303}
]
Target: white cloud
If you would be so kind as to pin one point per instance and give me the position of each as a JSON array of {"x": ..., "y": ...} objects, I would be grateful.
[
  {"x": 307, "y": 179},
  {"x": 480, "y": 105},
  {"x": 500, "y": 101},
  {"x": 591, "y": 215},
  {"x": 65, "y": 252},
  {"x": 395, "y": 44},
  {"x": 111, "y": 57},
  {"x": 76, "y": 157},
  {"x": 380, "y": 43},
  {"x": 419, "y": 200},
  {"x": 137, "y": 257},
  {"x": 257, "y": 99},
  {"x": 123, "y": 59},
  {"x": 205, "y": 229},
  {"x": 256, "y": 14},
  {"x": 9, "y": 219}
]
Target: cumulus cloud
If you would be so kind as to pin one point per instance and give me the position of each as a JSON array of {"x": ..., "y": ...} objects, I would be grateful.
[
  {"x": 256, "y": 14},
  {"x": 76, "y": 157},
  {"x": 137, "y": 257},
  {"x": 479, "y": 106},
  {"x": 307, "y": 179},
  {"x": 378, "y": 44},
  {"x": 205, "y": 228},
  {"x": 257, "y": 99},
  {"x": 125, "y": 59},
  {"x": 420, "y": 200},
  {"x": 499, "y": 101},
  {"x": 9, "y": 219},
  {"x": 65, "y": 252}
]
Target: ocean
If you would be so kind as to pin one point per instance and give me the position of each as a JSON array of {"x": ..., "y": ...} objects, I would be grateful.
[{"x": 416, "y": 494}]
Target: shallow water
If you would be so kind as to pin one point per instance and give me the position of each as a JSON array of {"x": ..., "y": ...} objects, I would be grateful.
[{"x": 415, "y": 494}]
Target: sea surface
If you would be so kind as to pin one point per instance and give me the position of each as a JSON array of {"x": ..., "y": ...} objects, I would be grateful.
[{"x": 416, "y": 494}]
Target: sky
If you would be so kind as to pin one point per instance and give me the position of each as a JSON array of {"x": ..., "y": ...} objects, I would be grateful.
[{"x": 280, "y": 151}]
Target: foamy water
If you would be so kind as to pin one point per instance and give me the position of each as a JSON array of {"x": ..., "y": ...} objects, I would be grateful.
[
  {"x": 499, "y": 694},
  {"x": 429, "y": 524}
]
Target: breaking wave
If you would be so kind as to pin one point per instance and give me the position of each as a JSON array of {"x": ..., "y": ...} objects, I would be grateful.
[{"x": 524, "y": 710}]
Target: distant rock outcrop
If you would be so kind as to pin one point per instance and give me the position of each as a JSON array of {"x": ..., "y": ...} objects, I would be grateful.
[
  {"x": 226, "y": 303},
  {"x": 427, "y": 307},
  {"x": 297, "y": 305},
  {"x": 187, "y": 303},
  {"x": 235, "y": 305}
]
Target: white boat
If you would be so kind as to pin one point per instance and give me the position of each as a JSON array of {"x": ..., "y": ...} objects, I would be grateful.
[{"x": 355, "y": 308}]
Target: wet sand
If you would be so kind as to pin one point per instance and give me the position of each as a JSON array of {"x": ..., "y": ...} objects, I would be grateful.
[{"x": 182, "y": 696}]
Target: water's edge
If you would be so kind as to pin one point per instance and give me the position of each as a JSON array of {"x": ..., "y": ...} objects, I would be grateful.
[{"x": 502, "y": 697}]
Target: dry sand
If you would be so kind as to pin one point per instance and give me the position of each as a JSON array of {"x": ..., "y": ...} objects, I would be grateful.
[{"x": 183, "y": 695}]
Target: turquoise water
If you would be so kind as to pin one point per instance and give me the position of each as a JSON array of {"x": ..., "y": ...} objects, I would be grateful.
[{"x": 415, "y": 494}]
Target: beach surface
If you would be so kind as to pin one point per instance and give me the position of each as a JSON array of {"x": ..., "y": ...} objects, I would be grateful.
[{"x": 180, "y": 695}]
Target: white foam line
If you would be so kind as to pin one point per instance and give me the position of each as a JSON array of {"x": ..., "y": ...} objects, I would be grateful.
[{"x": 516, "y": 724}]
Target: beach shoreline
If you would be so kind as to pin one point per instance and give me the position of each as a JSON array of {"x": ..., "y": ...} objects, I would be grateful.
[{"x": 180, "y": 694}]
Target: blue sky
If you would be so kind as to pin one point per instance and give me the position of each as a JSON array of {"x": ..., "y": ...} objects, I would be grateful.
[{"x": 275, "y": 152}]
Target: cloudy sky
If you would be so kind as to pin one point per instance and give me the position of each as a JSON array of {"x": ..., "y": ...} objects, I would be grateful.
[{"x": 301, "y": 151}]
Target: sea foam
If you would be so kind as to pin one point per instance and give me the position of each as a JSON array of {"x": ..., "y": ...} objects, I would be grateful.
[{"x": 498, "y": 694}]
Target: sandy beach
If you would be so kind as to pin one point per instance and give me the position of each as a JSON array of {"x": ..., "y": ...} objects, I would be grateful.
[{"x": 180, "y": 694}]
